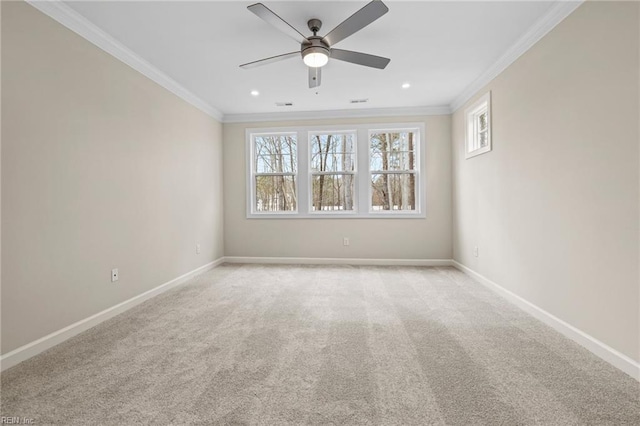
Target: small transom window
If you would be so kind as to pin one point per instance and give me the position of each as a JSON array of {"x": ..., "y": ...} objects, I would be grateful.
[{"x": 478, "y": 127}]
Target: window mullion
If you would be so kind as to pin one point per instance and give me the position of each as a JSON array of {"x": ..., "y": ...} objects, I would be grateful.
[
  {"x": 304, "y": 198},
  {"x": 250, "y": 184},
  {"x": 364, "y": 174}
]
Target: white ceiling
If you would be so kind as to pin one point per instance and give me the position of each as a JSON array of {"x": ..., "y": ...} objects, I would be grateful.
[{"x": 439, "y": 47}]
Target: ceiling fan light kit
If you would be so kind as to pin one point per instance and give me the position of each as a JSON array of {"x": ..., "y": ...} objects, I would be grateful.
[
  {"x": 317, "y": 50},
  {"x": 315, "y": 59}
]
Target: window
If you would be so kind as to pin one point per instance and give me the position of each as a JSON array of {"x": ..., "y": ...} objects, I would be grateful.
[
  {"x": 478, "y": 127},
  {"x": 393, "y": 170},
  {"x": 333, "y": 170},
  {"x": 275, "y": 166},
  {"x": 361, "y": 171}
]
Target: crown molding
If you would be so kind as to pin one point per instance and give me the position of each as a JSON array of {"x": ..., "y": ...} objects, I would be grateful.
[
  {"x": 345, "y": 113},
  {"x": 556, "y": 14},
  {"x": 77, "y": 23}
]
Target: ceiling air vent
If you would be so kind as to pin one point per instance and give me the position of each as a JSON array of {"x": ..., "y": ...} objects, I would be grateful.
[
  {"x": 358, "y": 101},
  {"x": 284, "y": 104}
]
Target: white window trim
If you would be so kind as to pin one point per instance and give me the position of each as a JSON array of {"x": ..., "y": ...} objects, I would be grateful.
[
  {"x": 356, "y": 202},
  {"x": 420, "y": 196},
  {"x": 483, "y": 103},
  {"x": 251, "y": 188},
  {"x": 362, "y": 173}
]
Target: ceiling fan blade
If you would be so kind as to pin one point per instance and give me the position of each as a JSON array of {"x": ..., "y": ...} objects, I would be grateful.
[
  {"x": 270, "y": 60},
  {"x": 360, "y": 58},
  {"x": 356, "y": 22},
  {"x": 266, "y": 14},
  {"x": 315, "y": 77}
]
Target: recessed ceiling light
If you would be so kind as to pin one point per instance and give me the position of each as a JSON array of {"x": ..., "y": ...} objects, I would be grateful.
[
  {"x": 254, "y": 93},
  {"x": 405, "y": 85}
]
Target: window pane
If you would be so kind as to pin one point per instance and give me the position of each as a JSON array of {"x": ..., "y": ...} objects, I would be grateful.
[
  {"x": 393, "y": 151},
  {"x": 482, "y": 138},
  {"x": 332, "y": 192},
  {"x": 332, "y": 152},
  {"x": 482, "y": 121},
  {"x": 276, "y": 194},
  {"x": 393, "y": 191},
  {"x": 275, "y": 154}
]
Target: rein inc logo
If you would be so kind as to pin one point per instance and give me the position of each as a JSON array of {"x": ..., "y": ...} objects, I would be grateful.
[{"x": 5, "y": 420}]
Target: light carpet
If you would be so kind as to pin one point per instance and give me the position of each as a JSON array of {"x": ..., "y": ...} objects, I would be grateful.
[{"x": 272, "y": 344}]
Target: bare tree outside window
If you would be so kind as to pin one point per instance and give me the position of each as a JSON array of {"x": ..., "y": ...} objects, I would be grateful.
[
  {"x": 393, "y": 170},
  {"x": 332, "y": 171},
  {"x": 275, "y": 170}
]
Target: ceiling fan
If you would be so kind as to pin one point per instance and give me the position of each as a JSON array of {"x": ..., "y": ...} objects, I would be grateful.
[{"x": 317, "y": 50}]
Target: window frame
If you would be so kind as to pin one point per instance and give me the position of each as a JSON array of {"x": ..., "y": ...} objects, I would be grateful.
[
  {"x": 471, "y": 139},
  {"x": 416, "y": 172},
  {"x": 354, "y": 173},
  {"x": 251, "y": 187},
  {"x": 362, "y": 172}
]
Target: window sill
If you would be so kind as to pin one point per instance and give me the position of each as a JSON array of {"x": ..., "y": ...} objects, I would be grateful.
[{"x": 288, "y": 216}]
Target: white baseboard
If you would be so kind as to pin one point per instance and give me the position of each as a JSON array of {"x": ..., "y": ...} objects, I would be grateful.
[
  {"x": 610, "y": 355},
  {"x": 336, "y": 261},
  {"x": 607, "y": 353},
  {"x": 29, "y": 350}
]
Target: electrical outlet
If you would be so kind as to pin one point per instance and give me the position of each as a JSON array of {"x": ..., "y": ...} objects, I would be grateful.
[
  {"x": 197, "y": 248},
  {"x": 345, "y": 241},
  {"x": 475, "y": 251},
  {"x": 114, "y": 275}
]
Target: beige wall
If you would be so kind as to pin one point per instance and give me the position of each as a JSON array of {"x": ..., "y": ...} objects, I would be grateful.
[
  {"x": 101, "y": 168},
  {"x": 428, "y": 238},
  {"x": 554, "y": 207}
]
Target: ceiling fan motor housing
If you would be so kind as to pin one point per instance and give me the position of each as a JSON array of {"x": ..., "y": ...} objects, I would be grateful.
[{"x": 314, "y": 44}]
